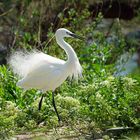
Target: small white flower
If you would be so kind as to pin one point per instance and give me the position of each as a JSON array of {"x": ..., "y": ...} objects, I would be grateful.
[
  {"x": 130, "y": 81},
  {"x": 111, "y": 78},
  {"x": 98, "y": 95},
  {"x": 105, "y": 83}
]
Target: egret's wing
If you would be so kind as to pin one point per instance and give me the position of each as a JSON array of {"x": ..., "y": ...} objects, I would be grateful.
[
  {"x": 48, "y": 58},
  {"x": 24, "y": 63},
  {"x": 43, "y": 77}
]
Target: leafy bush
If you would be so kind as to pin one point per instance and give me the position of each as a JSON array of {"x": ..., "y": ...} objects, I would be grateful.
[
  {"x": 112, "y": 102},
  {"x": 8, "y": 113}
]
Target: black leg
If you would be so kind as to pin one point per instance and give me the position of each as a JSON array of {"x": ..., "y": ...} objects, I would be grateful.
[
  {"x": 40, "y": 103},
  {"x": 53, "y": 102}
]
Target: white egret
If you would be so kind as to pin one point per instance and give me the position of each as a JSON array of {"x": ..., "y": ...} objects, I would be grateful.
[{"x": 45, "y": 72}]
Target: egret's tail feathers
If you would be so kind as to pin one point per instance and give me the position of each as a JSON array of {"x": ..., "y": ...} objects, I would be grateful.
[
  {"x": 76, "y": 71},
  {"x": 19, "y": 83},
  {"x": 23, "y": 62}
]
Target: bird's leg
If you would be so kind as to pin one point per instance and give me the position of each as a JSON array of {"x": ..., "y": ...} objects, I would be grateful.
[
  {"x": 40, "y": 102},
  {"x": 53, "y": 102}
]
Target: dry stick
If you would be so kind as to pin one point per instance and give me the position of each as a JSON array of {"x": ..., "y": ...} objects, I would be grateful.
[
  {"x": 39, "y": 32},
  {"x": 39, "y": 25},
  {"x": 14, "y": 41},
  {"x": 7, "y": 12},
  {"x": 53, "y": 35},
  {"x": 119, "y": 9},
  {"x": 65, "y": 8},
  {"x": 110, "y": 27},
  {"x": 48, "y": 41}
]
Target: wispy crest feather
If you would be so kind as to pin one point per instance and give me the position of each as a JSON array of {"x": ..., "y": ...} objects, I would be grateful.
[{"x": 22, "y": 62}]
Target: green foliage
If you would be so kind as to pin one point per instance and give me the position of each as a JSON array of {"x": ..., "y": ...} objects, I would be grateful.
[
  {"x": 68, "y": 107},
  {"x": 8, "y": 113},
  {"x": 8, "y": 87},
  {"x": 112, "y": 102},
  {"x": 105, "y": 101}
]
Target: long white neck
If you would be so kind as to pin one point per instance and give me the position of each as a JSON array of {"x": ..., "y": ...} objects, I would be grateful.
[{"x": 68, "y": 49}]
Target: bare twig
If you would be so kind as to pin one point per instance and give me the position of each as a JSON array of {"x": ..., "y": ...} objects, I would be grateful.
[
  {"x": 110, "y": 27},
  {"x": 49, "y": 41},
  {"x": 39, "y": 24},
  {"x": 7, "y": 12}
]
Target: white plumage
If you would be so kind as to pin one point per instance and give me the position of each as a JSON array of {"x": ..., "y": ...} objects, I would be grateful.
[{"x": 44, "y": 72}]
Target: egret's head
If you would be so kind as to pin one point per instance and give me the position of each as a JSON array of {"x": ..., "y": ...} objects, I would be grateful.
[{"x": 62, "y": 32}]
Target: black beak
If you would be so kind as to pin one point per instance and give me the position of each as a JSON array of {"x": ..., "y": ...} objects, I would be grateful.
[{"x": 76, "y": 36}]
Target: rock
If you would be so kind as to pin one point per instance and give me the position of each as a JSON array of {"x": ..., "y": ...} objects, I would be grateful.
[
  {"x": 133, "y": 39},
  {"x": 126, "y": 64},
  {"x": 124, "y": 9},
  {"x": 6, "y": 39},
  {"x": 134, "y": 34},
  {"x": 3, "y": 54},
  {"x": 117, "y": 131}
]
